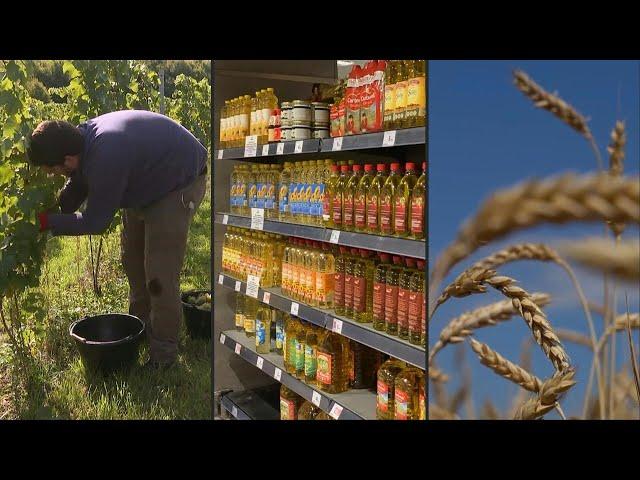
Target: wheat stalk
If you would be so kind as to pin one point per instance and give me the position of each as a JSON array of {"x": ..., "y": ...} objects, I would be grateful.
[
  {"x": 595, "y": 197},
  {"x": 616, "y": 163},
  {"x": 463, "y": 326},
  {"x": 622, "y": 261},
  {"x": 547, "y": 399},
  {"x": 437, "y": 376},
  {"x": 489, "y": 411},
  {"x": 574, "y": 337},
  {"x": 439, "y": 413}
]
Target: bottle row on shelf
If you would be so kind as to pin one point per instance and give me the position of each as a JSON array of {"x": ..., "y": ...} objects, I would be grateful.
[
  {"x": 382, "y": 95},
  {"x": 346, "y": 196},
  {"x": 368, "y": 287},
  {"x": 330, "y": 362}
]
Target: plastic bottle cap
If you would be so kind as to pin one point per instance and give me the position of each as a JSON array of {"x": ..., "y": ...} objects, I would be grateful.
[
  {"x": 357, "y": 168},
  {"x": 421, "y": 264},
  {"x": 385, "y": 257},
  {"x": 395, "y": 167},
  {"x": 410, "y": 262},
  {"x": 381, "y": 167},
  {"x": 368, "y": 167},
  {"x": 344, "y": 168},
  {"x": 335, "y": 168},
  {"x": 397, "y": 259},
  {"x": 364, "y": 253},
  {"x": 410, "y": 166},
  {"x": 424, "y": 166}
]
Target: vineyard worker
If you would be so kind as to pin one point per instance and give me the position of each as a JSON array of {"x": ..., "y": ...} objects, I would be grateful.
[{"x": 152, "y": 168}]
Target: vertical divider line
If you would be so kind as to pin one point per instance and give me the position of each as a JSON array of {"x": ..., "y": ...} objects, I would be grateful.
[{"x": 426, "y": 303}]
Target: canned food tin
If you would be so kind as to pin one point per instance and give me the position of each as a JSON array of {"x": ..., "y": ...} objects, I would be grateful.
[
  {"x": 300, "y": 113},
  {"x": 320, "y": 112},
  {"x": 321, "y": 132},
  {"x": 300, "y": 132}
]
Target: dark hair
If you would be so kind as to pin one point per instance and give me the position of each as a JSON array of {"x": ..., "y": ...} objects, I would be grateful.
[{"x": 52, "y": 140}]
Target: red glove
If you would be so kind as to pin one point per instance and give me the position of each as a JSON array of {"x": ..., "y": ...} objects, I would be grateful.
[{"x": 44, "y": 221}]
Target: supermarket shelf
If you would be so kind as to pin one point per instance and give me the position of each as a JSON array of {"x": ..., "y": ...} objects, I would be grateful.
[
  {"x": 393, "y": 245},
  {"x": 403, "y": 137},
  {"x": 255, "y": 404},
  {"x": 269, "y": 150},
  {"x": 360, "y": 332},
  {"x": 351, "y": 405}
]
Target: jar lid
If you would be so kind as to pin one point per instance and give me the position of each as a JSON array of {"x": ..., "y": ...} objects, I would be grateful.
[
  {"x": 319, "y": 105},
  {"x": 301, "y": 103},
  {"x": 285, "y": 104},
  {"x": 297, "y": 125}
]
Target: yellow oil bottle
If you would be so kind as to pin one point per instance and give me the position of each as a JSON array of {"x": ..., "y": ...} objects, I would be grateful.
[
  {"x": 284, "y": 214},
  {"x": 422, "y": 399},
  {"x": 400, "y": 105},
  {"x": 251, "y": 311},
  {"x": 415, "y": 114},
  {"x": 333, "y": 363},
  {"x": 338, "y": 197},
  {"x": 308, "y": 411},
  {"x": 407, "y": 394},
  {"x": 387, "y": 197},
  {"x": 330, "y": 192},
  {"x": 373, "y": 199},
  {"x": 391, "y": 296},
  {"x": 363, "y": 371},
  {"x": 301, "y": 338},
  {"x": 385, "y": 407},
  {"x": 390, "y": 78},
  {"x": 418, "y": 201},
  {"x": 415, "y": 304},
  {"x": 291, "y": 333},
  {"x": 245, "y": 115},
  {"x": 239, "y": 314},
  {"x": 363, "y": 274},
  {"x": 311, "y": 354},
  {"x": 290, "y": 403},
  {"x": 402, "y": 202},
  {"x": 379, "y": 289},
  {"x": 348, "y": 212},
  {"x": 360, "y": 199},
  {"x": 404, "y": 293},
  {"x": 280, "y": 331},
  {"x": 325, "y": 272},
  {"x": 253, "y": 119},
  {"x": 263, "y": 329},
  {"x": 338, "y": 284},
  {"x": 349, "y": 268}
]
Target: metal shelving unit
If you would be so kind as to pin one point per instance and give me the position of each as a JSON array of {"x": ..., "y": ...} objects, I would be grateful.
[
  {"x": 294, "y": 147},
  {"x": 376, "y": 243},
  {"x": 350, "y": 405},
  {"x": 259, "y": 404},
  {"x": 360, "y": 332}
]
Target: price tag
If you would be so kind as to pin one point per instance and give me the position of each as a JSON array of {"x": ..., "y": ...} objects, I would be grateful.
[
  {"x": 223, "y": 338},
  {"x": 234, "y": 411},
  {"x": 238, "y": 348},
  {"x": 389, "y": 139},
  {"x": 221, "y": 279},
  {"x": 298, "y": 147},
  {"x": 266, "y": 298},
  {"x": 238, "y": 284},
  {"x": 315, "y": 398},
  {"x": 335, "y": 236},
  {"x": 335, "y": 412},
  {"x": 257, "y": 218},
  {"x": 253, "y": 284},
  {"x": 294, "y": 308},
  {"x": 277, "y": 374},
  {"x": 280, "y": 149},
  {"x": 260, "y": 362},
  {"x": 220, "y": 154},
  {"x": 337, "y": 144},
  {"x": 225, "y": 219},
  {"x": 337, "y": 326},
  {"x": 250, "y": 146},
  {"x": 265, "y": 150}
]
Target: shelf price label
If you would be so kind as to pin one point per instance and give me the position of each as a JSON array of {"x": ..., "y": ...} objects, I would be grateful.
[
  {"x": 389, "y": 139},
  {"x": 234, "y": 411},
  {"x": 253, "y": 284},
  {"x": 294, "y": 308},
  {"x": 335, "y": 412},
  {"x": 280, "y": 149},
  {"x": 238, "y": 349},
  {"x": 221, "y": 279},
  {"x": 315, "y": 398},
  {"x": 223, "y": 338},
  {"x": 266, "y": 298},
  {"x": 257, "y": 218},
  {"x": 220, "y": 154},
  {"x": 298, "y": 146},
  {"x": 260, "y": 362},
  {"x": 335, "y": 236},
  {"x": 337, "y": 144},
  {"x": 336, "y": 327},
  {"x": 265, "y": 150},
  {"x": 250, "y": 146},
  {"x": 277, "y": 374},
  {"x": 238, "y": 285},
  {"x": 225, "y": 219}
]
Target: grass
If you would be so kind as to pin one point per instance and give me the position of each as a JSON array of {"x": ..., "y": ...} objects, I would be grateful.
[{"x": 57, "y": 385}]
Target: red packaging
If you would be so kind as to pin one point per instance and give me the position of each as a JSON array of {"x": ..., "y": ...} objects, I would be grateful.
[
  {"x": 352, "y": 99},
  {"x": 371, "y": 91}
]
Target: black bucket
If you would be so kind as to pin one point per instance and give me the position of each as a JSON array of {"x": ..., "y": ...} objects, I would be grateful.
[
  {"x": 108, "y": 342},
  {"x": 198, "y": 322}
]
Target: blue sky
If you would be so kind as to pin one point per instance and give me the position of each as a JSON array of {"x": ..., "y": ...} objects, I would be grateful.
[{"x": 483, "y": 135}]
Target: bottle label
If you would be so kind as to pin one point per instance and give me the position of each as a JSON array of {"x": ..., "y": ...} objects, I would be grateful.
[
  {"x": 359, "y": 294},
  {"x": 324, "y": 287},
  {"x": 306, "y": 200},
  {"x": 299, "y": 356},
  {"x": 372, "y": 212},
  {"x": 261, "y": 333},
  {"x": 292, "y": 198},
  {"x": 415, "y": 311},
  {"x": 383, "y": 396},
  {"x": 249, "y": 324},
  {"x": 347, "y": 219},
  {"x": 310, "y": 362},
  {"x": 403, "y": 307},
  {"x": 337, "y": 210},
  {"x": 416, "y": 97},
  {"x": 389, "y": 102},
  {"x": 326, "y": 207},
  {"x": 390, "y": 304},
  {"x": 316, "y": 200},
  {"x": 253, "y": 192},
  {"x": 287, "y": 409},
  {"x": 239, "y": 320},
  {"x": 359, "y": 207},
  {"x": 342, "y": 118},
  {"x": 378, "y": 302},
  {"x": 338, "y": 285},
  {"x": 348, "y": 291},
  {"x": 234, "y": 195},
  {"x": 400, "y": 215},
  {"x": 401, "y": 101},
  {"x": 283, "y": 198},
  {"x": 401, "y": 403},
  {"x": 353, "y": 112},
  {"x": 242, "y": 195},
  {"x": 270, "y": 199},
  {"x": 385, "y": 214},
  {"x": 417, "y": 216},
  {"x": 262, "y": 193},
  {"x": 286, "y": 273},
  {"x": 279, "y": 335},
  {"x": 291, "y": 351},
  {"x": 323, "y": 368}
]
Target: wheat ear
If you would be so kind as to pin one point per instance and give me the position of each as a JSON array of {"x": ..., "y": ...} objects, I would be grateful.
[
  {"x": 620, "y": 260},
  {"x": 547, "y": 398},
  {"x": 616, "y": 163}
]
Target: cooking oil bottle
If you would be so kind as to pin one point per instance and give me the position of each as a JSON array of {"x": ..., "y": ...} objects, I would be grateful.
[
  {"x": 263, "y": 329},
  {"x": 291, "y": 337},
  {"x": 309, "y": 180},
  {"x": 323, "y": 416},
  {"x": 338, "y": 197},
  {"x": 379, "y": 289},
  {"x": 349, "y": 267},
  {"x": 284, "y": 182},
  {"x": 400, "y": 105},
  {"x": 308, "y": 411},
  {"x": 301, "y": 338},
  {"x": 422, "y": 399},
  {"x": 325, "y": 272},
  {"x": 338, "y": 285},
  {"x": 360, "y": 199},
  {"x": 402, "y": 202},
  {"x": 280, "y": 335},
  {"x": 330, "y": 192},
  {"x": 390, "y": 79},
  {"x": 270, "y": 192},
  {"x": 251, "y": 311},
  {"x": 418, "y": 200},
  {"x": 415, "y": 114},
  {"x": 233, "y": 194},
  {"x": 363, "y": 373},
  {"x": 245, "y": 115},
  {"x": 416, "y": 300},
  {"x": 253, "y": 123},
  {"x": 333, "y": 363},
  {"x": 348, "y": 213},
  {"x": 310, "y": 263},
  {"x": 293, "y": 192},
  {"x": 387, "y": 197},
  {"x": 407, "y": 394},
  {"x": 391, "y": 296},
  {"x": 385, "y": 408},
  {"x": 363, "y": 273},
  {"x": 223, "y": 125},
  {"x": 290, "y": 403},
  {"x": 239, "y": 314},
  {"x": 311, "y": 354},
  {"x": 404, "y": 292},
  {"x": 373, "y": 199}
]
